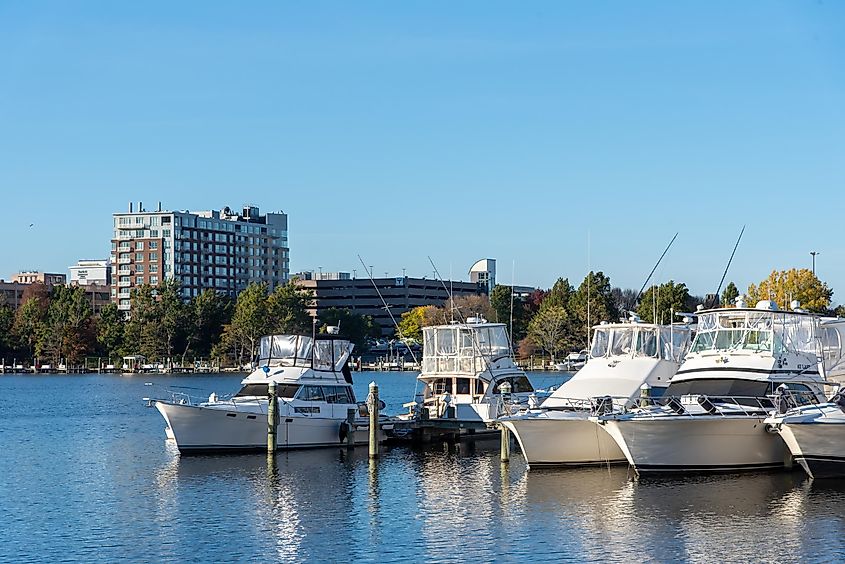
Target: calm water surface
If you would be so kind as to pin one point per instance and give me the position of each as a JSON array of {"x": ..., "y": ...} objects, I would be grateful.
[{"x": 86, "y": 476}]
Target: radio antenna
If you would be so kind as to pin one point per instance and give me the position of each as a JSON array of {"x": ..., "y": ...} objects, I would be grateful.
[
  {"x": 650, "y": 274},
  {"x": 730, "y": 260}
]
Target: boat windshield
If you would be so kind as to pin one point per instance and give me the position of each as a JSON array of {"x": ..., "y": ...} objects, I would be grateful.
[
  {"x": 669, "y": 343},
  {"x": 297, "y": 350},
  {"x": 755, "y": 331},
  {"x": 720, "y": 387}
]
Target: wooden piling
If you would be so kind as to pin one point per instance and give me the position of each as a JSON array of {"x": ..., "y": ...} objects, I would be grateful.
[
  {"x": 645, "y": 395},
  {"x": 350, "y": 427},
  {"x": 506, "y": 444},
  {"x": 272, "y": 417},
  {"x": 373, "y": 409}
]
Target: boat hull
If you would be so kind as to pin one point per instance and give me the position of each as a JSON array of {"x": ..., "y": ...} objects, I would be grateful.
[
  {"x": 569, "y": 439},
  {"x": 697, "y": 444},
  {"x": 198, "y": 429},
  {"x": 818, "y": 447}
]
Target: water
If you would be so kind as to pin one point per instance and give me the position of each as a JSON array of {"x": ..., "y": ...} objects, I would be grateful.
[{"x": 86, "y": 475}]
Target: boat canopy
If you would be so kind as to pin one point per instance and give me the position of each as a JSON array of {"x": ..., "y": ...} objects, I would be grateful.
[
  {"x": 632, "y": 340},
  {"x": 464, "y": 348},
  {"x": 753, "y": 330},
  {"x": 326, "y": 353}
]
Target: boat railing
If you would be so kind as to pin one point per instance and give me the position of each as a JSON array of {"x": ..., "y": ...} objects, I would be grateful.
[{"x": 697, "y": 405}]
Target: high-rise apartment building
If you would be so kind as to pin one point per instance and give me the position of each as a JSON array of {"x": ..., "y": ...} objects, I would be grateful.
[{"x": 222, "y": 250}]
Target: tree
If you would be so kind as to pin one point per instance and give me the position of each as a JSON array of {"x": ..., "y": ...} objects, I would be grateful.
[
  {"x": 783, "y": 286},
  {"x": 353, "y": 326},
  {"x": 510, "y": 310},
  {"x": 68, "y": 330},
  {"x": 287, "y": 309},
  {"x": 110, "y": 326},
  {"x": 663, "y": 300},
  {"x": 595, "y": 290},
  {"x": 207, "y": 314},
  {"x": 625, "y": 300},
  {"x": 142, "y": 332},
  {"x": 7, "y": 320},
  {"x": 173, "y": 315},
  {"x": 471, "y": 306},
  {"x": 729, "y": 295},
  {"x": 31, "y": 317},
  {"x": 411, "y": 324},
  {"x": 559, "y": 295},
  {"x": 549, "y": 330},
  {"x": 249, "y": 323}
]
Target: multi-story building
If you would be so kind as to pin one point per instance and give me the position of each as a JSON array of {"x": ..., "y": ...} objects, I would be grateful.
[
  {"x": 222, "y": 250},
  {"x": 401, "y": 294},
  {"x": 46, "y": 278},
  {"x": 320, "y": 275}
]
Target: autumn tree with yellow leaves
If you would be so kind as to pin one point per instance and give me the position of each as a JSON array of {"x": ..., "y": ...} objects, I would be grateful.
[{"x": 783, "y": 286}]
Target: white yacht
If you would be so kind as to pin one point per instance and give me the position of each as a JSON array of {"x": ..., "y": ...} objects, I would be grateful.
[
  {"x": 813, "y": 433},
  {"x": 314, "y": 391},
  {"x": 626, "y": 360},
  {"x": 463, "y": 367},
  {"x": 712, "y": 415},
  {"x": 574, "y": 361}
]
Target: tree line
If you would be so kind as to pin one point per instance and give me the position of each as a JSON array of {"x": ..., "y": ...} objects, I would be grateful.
[
  {"x": 558, "y": 320},
  {"x": 58, "y": 325}
]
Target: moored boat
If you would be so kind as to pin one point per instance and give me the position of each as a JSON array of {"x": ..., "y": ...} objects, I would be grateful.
[
  {"x": 813, "y": 433},
  {"x": 625, "y": 361},
  {"x": 712, "y": 415},
  {"x": 314, "y": 398}
]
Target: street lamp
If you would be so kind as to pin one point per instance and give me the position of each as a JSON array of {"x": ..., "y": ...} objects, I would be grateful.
[{"x": 813, "y": 254}]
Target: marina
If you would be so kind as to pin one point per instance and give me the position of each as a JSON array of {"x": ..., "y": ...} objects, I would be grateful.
[{"x": 110, "y": 487}]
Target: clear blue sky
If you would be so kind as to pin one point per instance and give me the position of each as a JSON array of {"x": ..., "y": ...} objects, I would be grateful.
[{"x": 459, "y": 130}]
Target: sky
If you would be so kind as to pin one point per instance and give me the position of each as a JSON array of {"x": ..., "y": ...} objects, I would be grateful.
[{"x": 551, "y": 136}]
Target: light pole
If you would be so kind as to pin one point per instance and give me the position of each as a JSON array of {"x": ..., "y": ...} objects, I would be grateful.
[{"x": 813, "y": 254}]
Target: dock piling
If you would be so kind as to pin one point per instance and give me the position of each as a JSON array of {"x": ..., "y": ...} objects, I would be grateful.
[
  {"x": 373, "y": 408},
  {"x": 272, "y": 417},
  {"x": 506, "y": 444},
  {"x": 645, "y": 395},
  {"x": 350, "y": 427}
]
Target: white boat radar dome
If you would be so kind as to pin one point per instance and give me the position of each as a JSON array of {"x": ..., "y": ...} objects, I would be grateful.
[
  {"x": 767, "y": 305},
  {"x": 333, "y": 330},
  {"x": 740, "y": 301}
]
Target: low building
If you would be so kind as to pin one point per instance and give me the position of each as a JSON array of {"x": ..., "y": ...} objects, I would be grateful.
[
  {"x": 401, "y": 294},
  {"x": 11, "y": 293},
  {"x": 46, "y": 278}
]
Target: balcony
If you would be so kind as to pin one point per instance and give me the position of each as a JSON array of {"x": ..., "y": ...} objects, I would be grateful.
[
  {"x": 124, "y": 260},
  {"x": 124, "y": 284}
]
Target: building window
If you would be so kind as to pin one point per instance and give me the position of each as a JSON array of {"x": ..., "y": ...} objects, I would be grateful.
[
  {"x": 153, "y": 257},
  {"x": 153, "y": 268},
  {"x": 139, "y": 268},
  {"x": 153, "y": 232},
  {"x": 153, "y": 280},
  {"x": 139, "y": 256},
  {"x": 139, "y": 246},
  {"x": 153, "y": 245},
  {"x": 139, "y": 280}
]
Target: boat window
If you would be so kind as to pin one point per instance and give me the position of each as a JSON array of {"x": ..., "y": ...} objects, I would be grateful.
[
  {"x": 716, "y": 388},
  {"x": 646, "y": 344},
  {"x": 445, "y": 342},
  {"x": 287, "y": 391},
  {"x": 312, "y": 393},
  {"x": 620, "y": 343},
  {"x": 253, "y": 390},
  {"x": 601, "y": 338},
  {"x": 519, "y": 384},
  {"x": 323, "y": 355},
  {"x": 479, "y": 387},
  {"x": 462, "y": 386},
  {"x": 801, "y": 393},
  {"x": 337, "y": 394},
  {"x": 441, "y": 385},
  {"x": 674, "y": 342}
]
